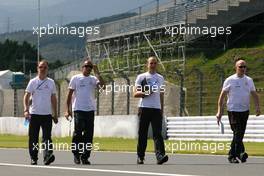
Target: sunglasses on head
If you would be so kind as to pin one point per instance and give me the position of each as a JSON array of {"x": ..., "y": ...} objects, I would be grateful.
[
  {"x": 242, "y": 66},
  {"x": 88, "y": 66}
]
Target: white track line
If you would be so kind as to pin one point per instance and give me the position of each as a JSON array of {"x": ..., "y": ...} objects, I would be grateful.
[
  {"x": 92, "y": 170},
  {"x": 149, "y": 153}
]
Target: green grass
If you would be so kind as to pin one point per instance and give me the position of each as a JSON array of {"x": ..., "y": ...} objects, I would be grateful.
[{"x": 129, "y": 145}]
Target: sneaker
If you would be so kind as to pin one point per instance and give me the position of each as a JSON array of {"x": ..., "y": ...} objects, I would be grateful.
[
  {"x": 77, "y": 159},
  {"x": 86, "y": 162},
  {"x": 243, "y": 157},
  {"x": 49, "y": 160},
  {"x": 140, "y": 160},
  {"x": 233, "y": 160},
  {"x": 34, "y": 162},
  {"x": 163, "y": 159}
]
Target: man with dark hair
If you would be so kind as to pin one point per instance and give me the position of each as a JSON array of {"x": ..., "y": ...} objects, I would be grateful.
[
  {"x": 42, "y": 91},
  {"x": 150, "y": 90},
  {"x": 83, "y": 86},
  {"x": 238, "y": 89}
]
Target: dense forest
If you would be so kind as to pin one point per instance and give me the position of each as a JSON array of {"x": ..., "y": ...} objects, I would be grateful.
[{"x": 14, "y": 54}]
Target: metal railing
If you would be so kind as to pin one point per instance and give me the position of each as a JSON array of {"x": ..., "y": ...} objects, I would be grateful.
[{"x": 169, "y": 14}]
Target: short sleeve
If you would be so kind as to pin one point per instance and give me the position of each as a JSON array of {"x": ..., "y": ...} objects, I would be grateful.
[
  {"x": 95, "y": 81},
  {"x": 72, "y": 84},
  {"x": 162, "y": 81},
  {"x": 138, "y": 81},
  {"x": 226, "y": 86},
  {"x": 252, "y": 86},
  {"x": 29, "y": 88},
  {"x": 53, "y": 88}
]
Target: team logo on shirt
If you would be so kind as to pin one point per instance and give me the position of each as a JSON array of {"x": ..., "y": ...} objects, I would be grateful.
[
  {"x": 237, "y": 85},
  {"x": 46, "y": 87},
  {"x": 82, "y": 83},
  {"x": 246, "y": 83}
]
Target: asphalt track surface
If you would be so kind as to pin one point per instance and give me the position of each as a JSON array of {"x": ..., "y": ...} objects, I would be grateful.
[{"x": 16, "y": 162}]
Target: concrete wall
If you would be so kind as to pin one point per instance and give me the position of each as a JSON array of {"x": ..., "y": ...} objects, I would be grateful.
[
  {"x": 7, "y": 102},
  {"x": 104, "y": 126}
]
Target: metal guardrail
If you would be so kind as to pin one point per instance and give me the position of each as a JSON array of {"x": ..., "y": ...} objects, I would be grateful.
[{"x": 205, "y": 128}]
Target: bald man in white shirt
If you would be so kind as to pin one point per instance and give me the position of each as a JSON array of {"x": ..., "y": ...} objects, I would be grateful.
[
  {"x": 150, "y": 89},
  {"x": 238, "y": 89}
]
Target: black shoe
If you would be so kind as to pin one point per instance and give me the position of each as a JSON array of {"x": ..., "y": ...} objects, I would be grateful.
[
  {"x": 163, "y": 159},
  {"x": 86, "y": 162},
  {"x": 34, "y": 162},
  {"x": 49, "y": 160},
  {"x": 77, "y": 159},
  {"x": 140, "y": 160},
  {"x": 233, "y": 160},
  {"x": 243, "y": 157}
]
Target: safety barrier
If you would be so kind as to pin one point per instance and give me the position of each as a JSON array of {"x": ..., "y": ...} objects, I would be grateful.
[{"x": 206, "y": 128}]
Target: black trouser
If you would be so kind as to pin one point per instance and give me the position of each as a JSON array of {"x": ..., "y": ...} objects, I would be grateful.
[
  {"x": 45, "y": 122},
  {"x": 238, "y": 123},
  {"x": 83, "y": 133},
  {"x": 147, "y": 116}
]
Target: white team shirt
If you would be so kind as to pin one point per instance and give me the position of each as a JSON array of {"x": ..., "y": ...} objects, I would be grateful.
[
  {"x": 239, "y": 90},
  {"x": 41, "y": 92},
  {"x": 153, "y": 100},
  {"x": 84, "y": 88}
]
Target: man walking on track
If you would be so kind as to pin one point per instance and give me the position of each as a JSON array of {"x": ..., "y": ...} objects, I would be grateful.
[
  {"x": 82, "y": 87},
  {"x": 42, "y": 91},
  {"x": 238, "y": 89},
  {"x": 150, "y": 90}
]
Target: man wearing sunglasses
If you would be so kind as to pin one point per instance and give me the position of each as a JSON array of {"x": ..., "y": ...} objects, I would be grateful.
[
  {"x": 42, "y": 91},
  {"x": 82, "y": 86},
  {"x": 238, "y": 89}
]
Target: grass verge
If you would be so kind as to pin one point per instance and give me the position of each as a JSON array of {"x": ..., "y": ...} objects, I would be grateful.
[{"x": 129, "y": 145}]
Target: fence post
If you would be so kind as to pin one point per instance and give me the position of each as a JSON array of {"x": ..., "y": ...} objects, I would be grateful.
[
  {"x": 97, "y": 102},
  {"x": 182, "y": 98},
  {"x": 113, "y": 98},
  {"x": 221, "y": 73},
  {"x": 125, "y": 76},
  {"x": 200, "y": 90},
  {"x": 200, "y": 93},
  {"x": 182, "y": 93},
  {"x": 128, "y": 96}
]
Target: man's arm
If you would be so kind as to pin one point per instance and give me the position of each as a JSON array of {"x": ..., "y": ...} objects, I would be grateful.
[
  {"x": 26, "y": 104},
  {"x": 54, "y": 108},
  {"x": 220, "y": 105},
  {"x": 68, "y": 111},
  {"x": 256, "y": 101},
  {"x": 99, "y": 77}
]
